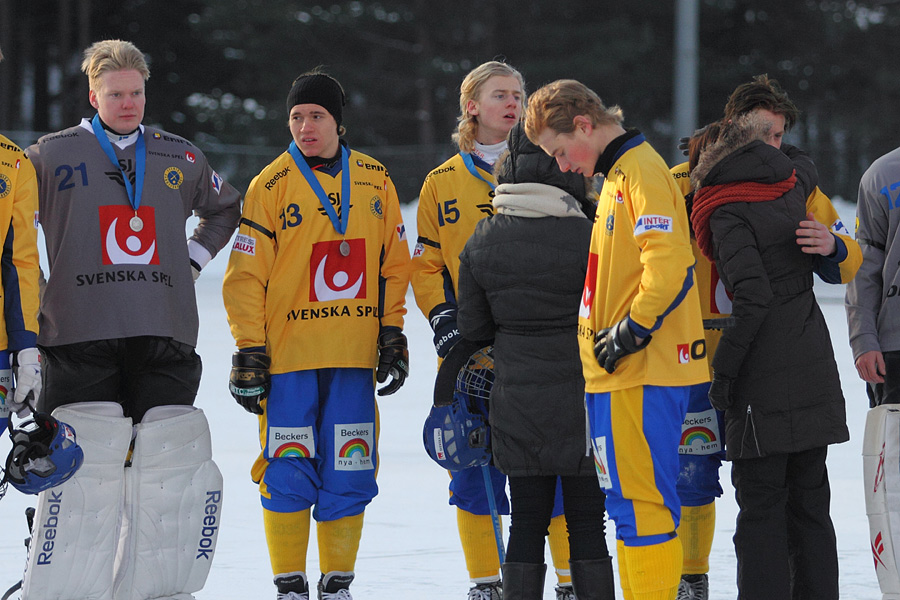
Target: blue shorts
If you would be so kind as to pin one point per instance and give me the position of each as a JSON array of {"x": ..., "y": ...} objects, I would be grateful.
[
  {"x": 701, "y": 451},
  {"x": 635, "y": 434},
  {"x": 319, "y": 439}
]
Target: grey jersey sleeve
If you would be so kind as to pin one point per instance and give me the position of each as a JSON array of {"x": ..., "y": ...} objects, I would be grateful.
[{"x": 218, "y": 204}]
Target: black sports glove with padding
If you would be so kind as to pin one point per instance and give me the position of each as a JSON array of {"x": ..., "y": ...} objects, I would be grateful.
[
  {"x": 446, "y": 332},
  {"x": 614, "y": 342},
  {"x": 720, "y": 392},
  {"x": 393, "y": 360},
  {"x": 249, "y": 382}
]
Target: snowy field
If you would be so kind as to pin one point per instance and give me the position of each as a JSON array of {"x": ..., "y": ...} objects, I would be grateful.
[{"x": 410, "y": 548}]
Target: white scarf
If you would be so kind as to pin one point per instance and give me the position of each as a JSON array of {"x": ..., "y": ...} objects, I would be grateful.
[
  {"x": 489, "y": 153},
  {"x": 535, "y": 200}
]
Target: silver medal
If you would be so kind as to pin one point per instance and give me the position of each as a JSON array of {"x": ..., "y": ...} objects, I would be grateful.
[
  {"x": 345, "y": 248},
  {"x": 136, "y": 223}
]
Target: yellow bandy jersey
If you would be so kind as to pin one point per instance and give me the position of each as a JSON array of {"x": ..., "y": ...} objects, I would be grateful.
[
  {"x": 451, "y": 203},
  {"x": 19, "y": 271},
  {"x": 641, "y": 265},
  {"x": 715, "y": 301},
  {"x": 289, "y": 286}
]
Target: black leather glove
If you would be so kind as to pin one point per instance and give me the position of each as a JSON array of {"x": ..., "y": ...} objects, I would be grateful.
[
  {"x": 614, "y": 342},
  {"x": 249, "y": 382},
  {"x": 443, "y": 323},
  {"x": 393, "y": 360},
  {"x": 720, "y": 392}
]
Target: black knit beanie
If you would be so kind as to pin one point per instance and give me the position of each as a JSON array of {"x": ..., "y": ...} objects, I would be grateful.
[{"x": 318, "y": 88}]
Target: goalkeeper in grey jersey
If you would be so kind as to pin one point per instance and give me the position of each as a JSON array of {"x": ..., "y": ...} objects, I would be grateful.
[{"x": 118, "y": 329}]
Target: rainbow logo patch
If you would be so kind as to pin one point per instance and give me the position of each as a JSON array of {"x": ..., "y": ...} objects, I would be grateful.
[
  {"x": 292, "y": 450},
  {"x": 693, "y": 434},
  {"x": 3, "y": 393},
  {"x": 355, "y": 447}
]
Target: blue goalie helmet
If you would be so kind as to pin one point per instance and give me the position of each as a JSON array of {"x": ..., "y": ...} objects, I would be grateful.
[
  {"x": 455, "y": 437},
  {"x": 44, "y": 454}
]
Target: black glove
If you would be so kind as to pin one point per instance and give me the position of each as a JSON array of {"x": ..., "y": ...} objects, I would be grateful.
[
  {"x": 443, "y": 323},
  {"x": 249, "y": 381},
  {"x": 393, "y": 360},
  {"x": 720, "y": 392},
  {"x": 614, "y": 342}
]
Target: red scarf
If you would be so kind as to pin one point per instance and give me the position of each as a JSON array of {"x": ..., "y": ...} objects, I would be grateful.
[{"x": 708, "y": 199}]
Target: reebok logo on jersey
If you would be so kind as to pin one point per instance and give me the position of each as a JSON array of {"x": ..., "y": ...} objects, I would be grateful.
[
  {"x": 590, "y": 285},
  {"x": 122, "y": 245},
  {"x": 337, "y": 277},
  {"x": 244, "y": 243},
  {"x": 647, "y": 223}
]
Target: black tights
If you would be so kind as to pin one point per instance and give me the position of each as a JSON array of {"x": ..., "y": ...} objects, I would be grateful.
[{"x": 532, "y": 505}]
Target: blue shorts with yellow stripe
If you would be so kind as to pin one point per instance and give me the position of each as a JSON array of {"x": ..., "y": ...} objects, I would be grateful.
[
  {"x": 319, "y": 439},
  {"x": 635, "y": 434}
]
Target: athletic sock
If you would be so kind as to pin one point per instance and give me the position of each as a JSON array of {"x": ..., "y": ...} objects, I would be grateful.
[
  {"x": 558, "y": 540},
  {"x": 287, "y": 535},
  {"x": 476, "y": 533},
  {"x": 339, "y": 543},
  {"x": 698, "y": 525}
]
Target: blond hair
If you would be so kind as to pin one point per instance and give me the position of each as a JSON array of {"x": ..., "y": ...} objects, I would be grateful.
[
  {"x": 470, "y": 89},
  {"x": 112, "y": 55},
  {"x": 556, "y": 105}
]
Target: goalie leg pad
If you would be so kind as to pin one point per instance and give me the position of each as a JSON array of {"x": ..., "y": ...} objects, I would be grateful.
[
  {"x": 173, "y": 507},
  {"x": 881, "y": 477},
  {"x": 76, "y": 525}
]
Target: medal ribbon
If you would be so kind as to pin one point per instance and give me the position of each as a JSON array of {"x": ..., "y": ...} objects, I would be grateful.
[
  {"x": 300, "y": 161},
  {"x": 140, "y": 159},
  {"x": 470, "y": 165}
]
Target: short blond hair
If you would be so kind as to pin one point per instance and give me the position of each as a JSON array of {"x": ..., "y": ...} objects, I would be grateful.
[
  {"x": 556, "y": 105},
  {"x": 470, "y": 89},
  {"x": 112, "y": 55}
]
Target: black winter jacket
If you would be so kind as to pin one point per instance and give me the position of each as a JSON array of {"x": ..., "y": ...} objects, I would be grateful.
[
  {"x": 520, "y": 282},
  {"x": 786, "y": 393}
]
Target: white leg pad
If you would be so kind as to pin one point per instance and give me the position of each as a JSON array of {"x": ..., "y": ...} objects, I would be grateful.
[
  {"x": 76, "y": 526},
  {"x": 881, "y": 477},
  {"x": 173, "y": 504}
]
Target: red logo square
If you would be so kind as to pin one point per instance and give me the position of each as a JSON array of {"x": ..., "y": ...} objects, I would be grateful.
[
  {"x": 333, "y": 276},
  {"x": 120, "y": 243}
]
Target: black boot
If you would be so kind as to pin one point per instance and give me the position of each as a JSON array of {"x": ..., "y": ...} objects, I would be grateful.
[
  {"x": 593, "y": 579},
  {"x": 523, "y": 581}
]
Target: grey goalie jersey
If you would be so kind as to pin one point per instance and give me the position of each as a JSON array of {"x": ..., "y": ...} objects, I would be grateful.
[{"x": 107, "y": 278}]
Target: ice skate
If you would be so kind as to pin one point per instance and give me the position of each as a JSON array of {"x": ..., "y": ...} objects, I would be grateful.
[
  {"x": 292, "y": 586},
  {"x": 565, "y": 592},
  {"x": 335, "y": 585},
  {"x": 492, "y": 590},
  {"x": 693, "y": 587}
]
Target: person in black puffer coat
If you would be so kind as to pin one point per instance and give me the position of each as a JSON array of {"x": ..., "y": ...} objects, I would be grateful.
[
  {"x": 521, "y": 278},
  {"x": 774, "y": 370}
]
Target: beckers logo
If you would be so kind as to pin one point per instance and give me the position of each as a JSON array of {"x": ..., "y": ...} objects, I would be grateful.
[
  {"x": 121, "y": 244},
  {"x": 334, "y": 276},
  {"x": 590, "y": 284}
]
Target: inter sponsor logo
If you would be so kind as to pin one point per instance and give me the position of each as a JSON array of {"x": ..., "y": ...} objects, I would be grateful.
[
  {"x": 334, "y": 276},
  {"x": 648, "y": 223},
  {"x": 120, "y": 243}
]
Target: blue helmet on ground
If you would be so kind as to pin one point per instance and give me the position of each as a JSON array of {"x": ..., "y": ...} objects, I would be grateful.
[
  {"x": 44, "y": 454},
  {"x": 455, "y": 437}
]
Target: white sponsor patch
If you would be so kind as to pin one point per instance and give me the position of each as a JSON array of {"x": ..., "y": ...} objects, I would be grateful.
[
  {"x": 354, "y": 446},
  {"x": 700, "y": 433},
  {"x": 419, "y": 249},
  {"x": 244, "y": 243},
  {"x": 438, "y": 443},
  {"x": 648, "y": 223},
  {"x": 601, "y": 464},
  {"x": 291, "y": 442},
  {"x": 839, "y": 227}
]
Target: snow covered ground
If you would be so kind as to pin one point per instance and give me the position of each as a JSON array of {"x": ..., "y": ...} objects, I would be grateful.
[{"x": 410, "y": 548}]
